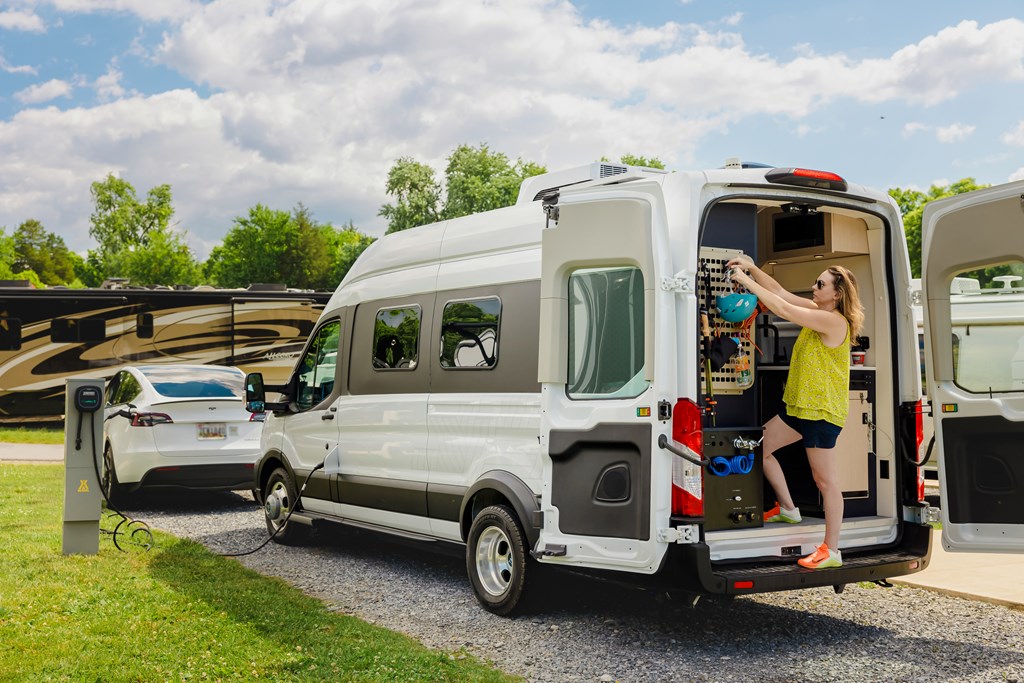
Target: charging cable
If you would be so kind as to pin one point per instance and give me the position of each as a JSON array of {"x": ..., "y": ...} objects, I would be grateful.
[{"x": 295, "y": 506}]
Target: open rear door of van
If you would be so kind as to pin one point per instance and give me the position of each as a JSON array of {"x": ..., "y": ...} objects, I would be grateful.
[{"x": 976, "y": 368}]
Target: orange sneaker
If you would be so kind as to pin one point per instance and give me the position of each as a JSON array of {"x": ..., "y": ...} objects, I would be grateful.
[{"x": 822, "y": 558}]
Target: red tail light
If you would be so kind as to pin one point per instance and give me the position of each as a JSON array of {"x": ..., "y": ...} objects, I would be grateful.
[
  {"x": 257, "y": 417},
  {"x": 806, "y": 177},
  {"x": 918, "y": 440},
  {"x": 687, "y": 491},
  {"x": 150, "y": 419}
]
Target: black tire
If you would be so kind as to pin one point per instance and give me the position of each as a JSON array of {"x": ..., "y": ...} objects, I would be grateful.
[
  {"x": 115, "y": 493},
  {"x": 279, "y": 496},
  {"x": 496, "y": 559}
]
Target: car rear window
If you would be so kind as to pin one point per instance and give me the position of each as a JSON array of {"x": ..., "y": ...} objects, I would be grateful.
[{"x": 179, "y": 382}]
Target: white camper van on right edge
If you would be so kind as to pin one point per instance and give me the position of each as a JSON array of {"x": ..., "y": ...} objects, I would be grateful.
[{"x": 533, "y": 382}]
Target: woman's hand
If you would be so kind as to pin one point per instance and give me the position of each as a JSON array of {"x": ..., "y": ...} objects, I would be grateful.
[
  {"x": 742, "y": 261},
  {"x": 740, "y": 277}
]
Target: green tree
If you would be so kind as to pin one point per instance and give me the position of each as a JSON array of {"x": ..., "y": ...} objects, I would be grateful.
[
  {"x": 349, "y": 243},
  {"x": 270, "y": 245},
  {"x": 164, "y": 260},
  {"x": 481, "y": 180},
  {"x": 416, "y": 192},
  {"x": 7, "y": 255},
  {"x": 120, "y": 220},
  {"x": 912, "y": 203},
  {"x": 45, "y": 253},
  {"x": 476, "y": 179}
]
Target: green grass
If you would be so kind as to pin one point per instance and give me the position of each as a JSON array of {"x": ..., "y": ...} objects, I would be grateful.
[
  {"x": 175, "y": 613},
  {"x": 31, "y": 435}
]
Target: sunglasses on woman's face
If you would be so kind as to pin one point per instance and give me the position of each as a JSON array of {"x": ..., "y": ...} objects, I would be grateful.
[{"x": 820, "y": 284}]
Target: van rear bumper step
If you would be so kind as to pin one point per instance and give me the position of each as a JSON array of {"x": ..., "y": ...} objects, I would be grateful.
[{"x": 690, "y": 567}]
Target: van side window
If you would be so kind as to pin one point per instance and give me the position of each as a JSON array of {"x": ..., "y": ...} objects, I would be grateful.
[
  {"x": 469, "y": 334},
  {"x": 315, "y": 380},
  {"x": 396, "y": 337},
  {"x": 606, "y": 333}
]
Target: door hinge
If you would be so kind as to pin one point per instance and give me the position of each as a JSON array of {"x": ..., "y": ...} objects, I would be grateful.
[
  {"x": 679, "y": 534},
  {"x": 681, "y": 282}
]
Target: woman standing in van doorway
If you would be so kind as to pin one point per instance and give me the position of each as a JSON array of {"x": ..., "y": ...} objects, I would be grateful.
[{"x": 816, "y": 394}]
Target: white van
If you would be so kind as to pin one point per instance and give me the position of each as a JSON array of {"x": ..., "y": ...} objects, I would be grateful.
[{"x": 531, "y": 382}]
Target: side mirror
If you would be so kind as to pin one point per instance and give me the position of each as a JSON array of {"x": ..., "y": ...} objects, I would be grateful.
[{"x": 255, "y": 393}]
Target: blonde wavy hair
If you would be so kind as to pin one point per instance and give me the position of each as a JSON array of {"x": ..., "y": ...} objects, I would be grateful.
[{"x": 848, "y": 302}]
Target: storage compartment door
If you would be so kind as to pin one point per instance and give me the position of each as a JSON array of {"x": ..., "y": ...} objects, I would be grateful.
[{"x": 972, "y": 366}]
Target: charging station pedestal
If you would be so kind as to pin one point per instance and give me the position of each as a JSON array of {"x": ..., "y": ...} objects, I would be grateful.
[{"x": 83, "y": 440}]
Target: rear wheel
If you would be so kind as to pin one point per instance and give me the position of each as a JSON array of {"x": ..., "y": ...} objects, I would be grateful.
[
  {"x": 112, "y": 490},
  {"x": 280, "y": 496},
  {"x": 496, "y": 559}
]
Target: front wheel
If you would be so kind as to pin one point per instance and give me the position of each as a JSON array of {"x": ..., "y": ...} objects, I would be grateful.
[
  {"x": 280, "y": 496},
  {"x": 496, "y": 559}
]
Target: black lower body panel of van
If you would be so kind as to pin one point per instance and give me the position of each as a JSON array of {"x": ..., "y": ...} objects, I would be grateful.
[{"x": 689, "y": 567}]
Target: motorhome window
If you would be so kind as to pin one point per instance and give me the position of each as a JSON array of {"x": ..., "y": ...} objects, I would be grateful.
[
  {"x": 316, "y": 372},
  {"x": 10, "y": 334},
  {"x": 144, "y": 325},
  {"x": 469, "y": 334},
  {"x": 75, "y": 330},
  {"x": 797, "y": 231},
  {"x": 606, "y": 333},
  {"x": 396, "y": 337}
]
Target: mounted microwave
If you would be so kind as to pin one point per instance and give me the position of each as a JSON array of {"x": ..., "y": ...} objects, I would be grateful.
[{"x": 799, "y": 235}]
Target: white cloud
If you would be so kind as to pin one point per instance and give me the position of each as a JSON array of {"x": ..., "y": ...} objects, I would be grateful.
[
  {"x": 108, "y": 86},
  {"x": 44, "y": 92},
  {"x": 14, "y": 20},
  {"x": 956, "y": 132},
  {"x": 1015, "y": 137},
  {"x": 1016, "y": 175},
  {"x": 314, "y": 99},
  {"x": 5, "y": 66},
  {"x": 913, "y": 127}
]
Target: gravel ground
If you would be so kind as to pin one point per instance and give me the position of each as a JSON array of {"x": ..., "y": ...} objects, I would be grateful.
[{"x": 582, "y": 629}]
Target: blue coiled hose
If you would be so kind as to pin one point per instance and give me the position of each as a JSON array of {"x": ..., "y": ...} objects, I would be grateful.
[{"x": 721, "y": 466}]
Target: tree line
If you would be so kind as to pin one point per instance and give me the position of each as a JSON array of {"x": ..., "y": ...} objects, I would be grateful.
[{"x": 135, "y": 239}]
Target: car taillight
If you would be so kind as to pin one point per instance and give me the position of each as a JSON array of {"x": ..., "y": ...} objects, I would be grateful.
[
  {"x": 806, "y": 177},
  {"x": 257, "y": 417},
  {"x": 687, "y": 490},
  {"x": 918, "y": 440},
  {"x": 150, "y": 419}
]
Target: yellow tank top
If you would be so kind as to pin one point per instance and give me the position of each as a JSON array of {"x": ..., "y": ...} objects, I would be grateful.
[{"x": 819, "y": 379}]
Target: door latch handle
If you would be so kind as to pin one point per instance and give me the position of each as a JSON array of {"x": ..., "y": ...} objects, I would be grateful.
[{"x": 327, "y": 416}]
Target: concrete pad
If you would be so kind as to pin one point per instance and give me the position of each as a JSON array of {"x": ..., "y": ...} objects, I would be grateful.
[{"x": 989, "y": 577}]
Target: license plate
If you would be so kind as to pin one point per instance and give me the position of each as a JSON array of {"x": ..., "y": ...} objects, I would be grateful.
[{"x": 211, "y": 430}]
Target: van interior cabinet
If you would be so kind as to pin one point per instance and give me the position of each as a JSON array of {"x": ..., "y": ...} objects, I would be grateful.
[{"x": 854, "y": 448}]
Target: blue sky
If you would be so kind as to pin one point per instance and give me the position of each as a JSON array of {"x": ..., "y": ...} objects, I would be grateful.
[{"x": 234, "y": 102}]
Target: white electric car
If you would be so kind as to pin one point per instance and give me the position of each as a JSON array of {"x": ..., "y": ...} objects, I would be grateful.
[{"x": 178, "y": 425}]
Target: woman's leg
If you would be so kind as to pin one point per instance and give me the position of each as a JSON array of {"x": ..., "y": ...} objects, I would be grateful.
[
  {"x": 825, "y": 468},
  {"x": 776, "y": 435}
]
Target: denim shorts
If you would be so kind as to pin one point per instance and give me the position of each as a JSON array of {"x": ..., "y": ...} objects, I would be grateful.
[{"x": 815, "y": 433}]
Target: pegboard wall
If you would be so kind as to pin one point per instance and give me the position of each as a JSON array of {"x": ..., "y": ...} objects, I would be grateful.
[{"x": 712, "y": 263}]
